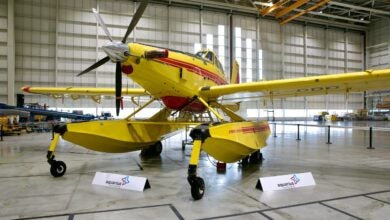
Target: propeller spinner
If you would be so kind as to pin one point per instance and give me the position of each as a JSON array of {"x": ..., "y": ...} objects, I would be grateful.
[{"x": 117, "y": 51}]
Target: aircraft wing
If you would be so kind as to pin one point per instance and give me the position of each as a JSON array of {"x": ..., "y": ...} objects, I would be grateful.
[
  {"x": 307, "y": 86},
  {"x": 83, "y": 91},
  {"x": 76, "y": 92}
]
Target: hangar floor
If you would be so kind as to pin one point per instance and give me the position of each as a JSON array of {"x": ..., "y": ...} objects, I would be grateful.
[{"x": 351, "y": 180}]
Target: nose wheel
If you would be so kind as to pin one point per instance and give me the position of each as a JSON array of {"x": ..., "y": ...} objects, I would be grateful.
[
  {"x": 57, "y": 168},
  {"x": 197, "y": 187},
  {"x": 196, "y": 183}
]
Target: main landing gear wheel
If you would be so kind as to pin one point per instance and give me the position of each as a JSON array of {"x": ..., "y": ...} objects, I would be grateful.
[
  {"x": 245, "y": 161},
  {"x": 153, "y": 150},
  {"x": 197, "y": 187},
  {"x": 157, "y": 148},
  {"x": 57, "y": 168},
  {"x": 256, "y": 158}
]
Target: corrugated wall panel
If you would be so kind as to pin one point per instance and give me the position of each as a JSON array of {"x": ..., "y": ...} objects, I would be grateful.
[
  {"x": 210, "y": 26},
  {"x": 3, "y": 50},
  {"x": 378, "y": 46},
  {"x": 271, "y": 45},
  {"x": 293, "y": 43},
  {"x": 184, "y": 28},
  {"x": 35, "y": 25}
]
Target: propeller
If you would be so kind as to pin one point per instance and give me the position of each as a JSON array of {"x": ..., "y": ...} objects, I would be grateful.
[
  {"x": 116, "y": 51},
  {"x": 101, "y": 23},
  {"x": 136, "y": 17},
  {"x": 118, "y": 87},
  {"x": 95, "y": 65}
]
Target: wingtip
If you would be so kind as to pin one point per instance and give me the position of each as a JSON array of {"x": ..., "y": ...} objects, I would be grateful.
[{"x": 26, "y": 88}]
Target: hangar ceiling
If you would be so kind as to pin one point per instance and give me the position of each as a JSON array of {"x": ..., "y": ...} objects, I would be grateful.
[{"x": 355, "y": 14}]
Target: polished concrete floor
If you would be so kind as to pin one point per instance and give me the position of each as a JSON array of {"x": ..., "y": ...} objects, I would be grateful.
[{"x": 352, "y": 182}]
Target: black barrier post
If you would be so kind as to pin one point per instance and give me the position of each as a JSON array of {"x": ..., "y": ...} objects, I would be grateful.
[
  {"x": 1, "y": 134},
  {"x": 370, "y": 147},
  {"x": 329, "y": 135},
  {"x": 298, "y": 139},
  {"x": 275, "y": 130},
  {"x": 52, "y": 131}
]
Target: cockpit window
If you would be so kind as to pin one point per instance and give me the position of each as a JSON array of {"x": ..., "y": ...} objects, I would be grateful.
[
  {"x": 210, "y": 56},
  {"x": 201, "y": 53},
  {"x": 207, "y": 55}
]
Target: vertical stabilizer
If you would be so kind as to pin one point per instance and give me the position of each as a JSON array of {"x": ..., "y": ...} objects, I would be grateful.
[{"x": 235, "y": 73}]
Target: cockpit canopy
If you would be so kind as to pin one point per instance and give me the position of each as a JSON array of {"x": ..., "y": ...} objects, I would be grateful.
[{"x": 210, "y": 56}]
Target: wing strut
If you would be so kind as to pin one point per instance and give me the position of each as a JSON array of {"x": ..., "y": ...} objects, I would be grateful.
[
  {"x": 140, "y": 108},
  {"x": 210, "y": 108}
]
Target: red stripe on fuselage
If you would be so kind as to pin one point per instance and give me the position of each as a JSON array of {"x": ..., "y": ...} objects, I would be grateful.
[
  {"x": 195, "y": 69},
  {"x": 250, "y": 129}
]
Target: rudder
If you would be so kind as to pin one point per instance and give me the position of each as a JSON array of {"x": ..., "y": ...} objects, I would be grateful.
[{"x": 235, "y": 73}]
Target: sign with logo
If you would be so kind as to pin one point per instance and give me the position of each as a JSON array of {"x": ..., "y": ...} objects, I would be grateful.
[
  {"x": 289, "y": 181},
  {"x": 121, "y": 181}
]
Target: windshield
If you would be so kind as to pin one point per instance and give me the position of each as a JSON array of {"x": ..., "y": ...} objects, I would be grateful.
[
  {"x": 201, "y": 53},
  {"x": 210, "y": 56},
  {"x": 206, "y": 55}
]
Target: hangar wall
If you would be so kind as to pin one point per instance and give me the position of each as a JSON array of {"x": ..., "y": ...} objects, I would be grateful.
[
  {"x": 3, "y": 51},
  {"x": 378, "y": 44},
  {"x": 57, "y": 39}
]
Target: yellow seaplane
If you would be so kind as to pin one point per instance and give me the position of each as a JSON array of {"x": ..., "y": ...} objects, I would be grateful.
[{"x": 189, "y": 86}]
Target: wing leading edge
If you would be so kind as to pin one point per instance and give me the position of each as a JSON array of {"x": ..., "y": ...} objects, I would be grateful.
[
  {"x": 307, "y": 86},
  {"x": 83, "y": 91},
  {"x": 75, "y": 92}
]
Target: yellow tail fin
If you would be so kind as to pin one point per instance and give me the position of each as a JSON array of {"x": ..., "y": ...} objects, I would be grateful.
[{"x": 235, "y": 73}]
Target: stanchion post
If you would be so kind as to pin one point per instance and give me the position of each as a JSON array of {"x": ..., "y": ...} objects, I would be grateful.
[
  {"x": 298, "y": 139},
  {"x": 275, "y": 130},
  {"x": 1, "y": 134},
  {"x": 370, "y": 147},
  {"x": 329, "y": 135}
]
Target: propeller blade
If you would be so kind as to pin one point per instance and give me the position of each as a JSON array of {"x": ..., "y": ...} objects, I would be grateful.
[
  {"x": 136, "y": 17},
  {"x": 95, "y": 65},
  {"x": 101, "y": 22},
  {"x": 118, "y": 87}
]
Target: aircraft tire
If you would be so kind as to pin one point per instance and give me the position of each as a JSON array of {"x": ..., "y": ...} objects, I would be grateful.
[
  {"x": 245, "y": 161},
  {"x": 255, "y": 158},
  {"x": 197, "y": 188},
  {"x": 57, "y": 168},
  {"x": 157, "y": 148},
  {"x": 153, "y": 150}
]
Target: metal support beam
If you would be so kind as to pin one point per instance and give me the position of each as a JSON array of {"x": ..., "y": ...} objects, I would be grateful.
[
  {"x": 317, "y": 5},
  {"x": 327, "y": 63},
  {"x": 336, "y": 17},
  {"x": 169, "y": 27},
  {"x": 257, "y": 48},
  {"x": 305, "y": 63},
  {"x": 56, "y": 49},
  {"x": 228, "y": 7},
  {"x": 268, "y": 10},
  {"x": 288, "y": 9},
  {"x": 375, "y": 11},
  {"x": 346, "y": 51},
  {"x": 201, "y": 27},
  {"x": 231, "y": 45},
  {"x": 11, "y": 53}
]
